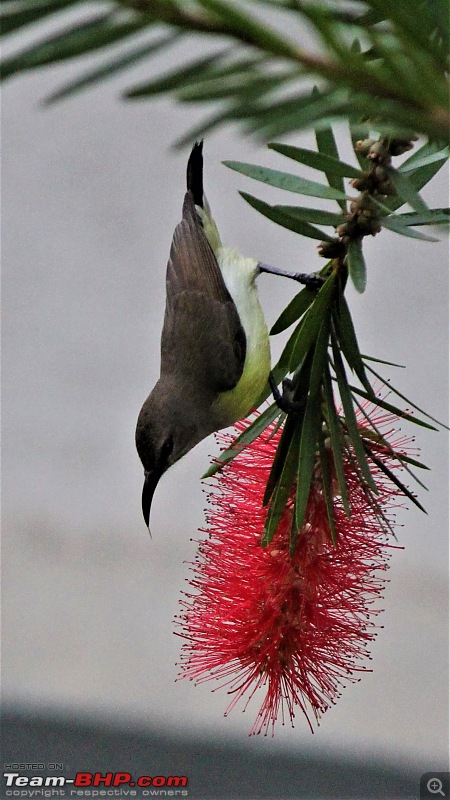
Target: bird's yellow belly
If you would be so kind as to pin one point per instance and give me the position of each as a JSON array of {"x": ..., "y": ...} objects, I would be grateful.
[{"x": 239, "y": 275}]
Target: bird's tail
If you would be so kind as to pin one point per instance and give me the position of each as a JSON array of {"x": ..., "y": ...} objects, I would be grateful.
[{"x": 194, "y": 173}]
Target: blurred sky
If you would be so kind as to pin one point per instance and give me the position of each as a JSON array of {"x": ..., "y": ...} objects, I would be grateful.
[{"x": 91, "y": 195}]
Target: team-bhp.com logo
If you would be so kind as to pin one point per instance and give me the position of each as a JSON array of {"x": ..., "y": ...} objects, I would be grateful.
[{"x": 95, "y": 784}]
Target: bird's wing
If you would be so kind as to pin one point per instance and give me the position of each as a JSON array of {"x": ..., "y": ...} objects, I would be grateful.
[
  {"x": 192, "y": 264},
  {"x": 202, "y": 334}
]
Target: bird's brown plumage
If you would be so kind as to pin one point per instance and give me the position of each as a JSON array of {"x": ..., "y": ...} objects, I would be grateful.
[{"x": 201, "y": 320}]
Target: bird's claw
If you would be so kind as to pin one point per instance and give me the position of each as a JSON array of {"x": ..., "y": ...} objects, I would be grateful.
[{"x": 284, "y": 399}]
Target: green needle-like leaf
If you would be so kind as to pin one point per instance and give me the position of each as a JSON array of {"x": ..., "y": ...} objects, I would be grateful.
[
  {"x": 394, "y": 409},
  {"x": 312, "y": 424},
  {"x": 319, "y": 161},
  {"x": 85, "y": 37},
  {"x": 307, "y": 458},
  {"x": 293, "y": 311},
  {"x": 375, "y": 438},
  {"x": 283, "y": 489},
  {"x": 282, "y": 367},
  {"x": 427, "y": 157},
  {"x": 315, "y": 215},
  {"x": 327, "y": 485},
  {"x": 348, "y": 342},
  {"x": 285, "y": 180},
  {"x": 279, "y": 118},
  {"x": 434, "y": 216},
  {"x": 181, "y": 76},
  {"x": 257, "y": 427},
  {"x": 417, "y": 177},
  {"x": 382, "y": 361},
  {"x": 287, "y": 435},
  {"x": 357, "y": 265},
  {"x": 335, "y": 432},
  {"x": 393, "y": 477},
  {"x": 23, "y": 14},
  {"x": 406, "y": 190},
  {"x": 396, "y": 225},
  {"x": 399, "y": 394},
  {"x": 285, "y": 220},
  {"x": 326, "y": 142},
  {"x": 349, "y": 413},
  {"x": 312, "y": 322},
  {"x": 112, "y": 67}
]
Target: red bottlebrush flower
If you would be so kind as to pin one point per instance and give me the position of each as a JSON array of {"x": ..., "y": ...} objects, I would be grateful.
[{"x": 295, "y": 627}]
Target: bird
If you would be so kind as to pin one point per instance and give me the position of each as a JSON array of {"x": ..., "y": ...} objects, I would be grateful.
[{"x": 215, "y": 351}]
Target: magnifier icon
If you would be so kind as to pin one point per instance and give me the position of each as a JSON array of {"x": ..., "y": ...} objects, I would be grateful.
[{"x": 435, "y": 786}]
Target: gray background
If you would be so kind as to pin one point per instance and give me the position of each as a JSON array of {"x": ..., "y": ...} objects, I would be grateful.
[{"x": 91, "y": 195}]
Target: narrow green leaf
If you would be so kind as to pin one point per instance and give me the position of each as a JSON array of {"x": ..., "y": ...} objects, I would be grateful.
[
  {"x": 319, "y": 161},
  {"x": 178, "y": 77},
  {"x": 279, "y": 460},
  {"x": 327, "y": 486},
  {"x": 396, "y": 225},
  {"x": 415, "y": 463},
  {"x": 84, "y": 37},
  {"x": 417, "y": 177},
  {"x": 426, "y": 158},
  {"x": 263, "y": 36},
  {"x": 394, "y": 409},
  {"x": 413, "y": 77},
  {"x": 312, "y": 424},
  {"x": 418, "y": 157},
  {"x": 312, "y": 322},
  {"x": 348, "y": 342},
  {"x": 349, "y": 414},
  {"x": 286, "y": 355},
  {"x": 306, "y": 461},
  {"x": 335, "y": 431},
  {"x": 406, "y": 190},
  {"x": 283, "y": 490},
  {"x": 357, "y": 265},
  {"x": 315, "y": 215},
  {"x": 301, "y": 383},
  {"x": 399, "y": 394},
  {"x": 285, "y": 220},
  {"x": 413, "y": 23},
  {"x": 280, "y": 118},
  {"x": 257, "y": 427},
  {"x": 326, "y": 143},
  {"x": 284, "y": 180},
  {"x": 393, "y": 477},
  {"x": 434, "y": 216},
  {"x": 293, "y": 311},
  {"x": 382, "y": 361},
  {"x": 112, "y": 67},
  {"x": 27, "y": 14},
  {"x": 370, "y": 497},
  {"x": 376, "y": 438},
  {"x": 439, "y": 11},
  {"x": 248, "y": 84}
]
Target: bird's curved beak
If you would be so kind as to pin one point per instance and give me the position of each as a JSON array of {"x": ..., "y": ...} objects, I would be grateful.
[{"x": 150, "y": 483}]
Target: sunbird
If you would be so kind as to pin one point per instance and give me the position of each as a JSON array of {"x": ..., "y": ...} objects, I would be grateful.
[{"x": 215, "y": 352}]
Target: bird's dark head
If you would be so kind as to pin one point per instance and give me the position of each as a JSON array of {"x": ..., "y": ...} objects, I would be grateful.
[{"x": 163, "y": 436}]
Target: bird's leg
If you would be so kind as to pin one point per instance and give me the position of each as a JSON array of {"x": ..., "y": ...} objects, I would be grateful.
[
  {"x": 284, "y": 399},
  {"x": 312, "y": 280}
]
